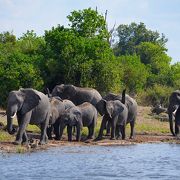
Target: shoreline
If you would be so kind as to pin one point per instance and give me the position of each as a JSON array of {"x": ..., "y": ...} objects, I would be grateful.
[{"x": 141, "y": 138}]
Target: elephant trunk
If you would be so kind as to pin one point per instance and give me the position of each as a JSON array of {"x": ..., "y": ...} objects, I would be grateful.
[
  {"x": 170, "y": 113},
  {"x": 10, "y": 128},
  {"x": 171, "y": 124}
]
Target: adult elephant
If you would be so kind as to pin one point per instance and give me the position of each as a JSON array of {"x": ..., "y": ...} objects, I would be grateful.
[
  {"x": 177, "y": 121},
  {"x": 31, "y": 107},
  {"x": 131, "y": 105},
  {"x": 77, "y": 95},
  {"x": 174, "y": 102},
  {"x": 79, "y": 116}
]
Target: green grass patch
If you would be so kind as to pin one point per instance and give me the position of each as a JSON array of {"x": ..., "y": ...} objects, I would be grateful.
[
  {"x": 5, "y": 136},
  {"x": 20, "y": 149}
]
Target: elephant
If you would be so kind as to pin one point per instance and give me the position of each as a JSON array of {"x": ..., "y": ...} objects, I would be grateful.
[
  {"x": 131, "y": 105},
  {"x": 79, "y": 116},
  {"x": 174, "y": 102},
  {"x": 58, "y": 106},
  {"x": 77, "y": 95},
  {"x": 177, "y": 121},
  {"x": 31, "y": 107},
  {"x": 116, "y": 113}
]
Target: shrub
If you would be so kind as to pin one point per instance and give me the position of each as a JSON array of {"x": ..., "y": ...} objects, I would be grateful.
[{"x": 158, "y": 94}]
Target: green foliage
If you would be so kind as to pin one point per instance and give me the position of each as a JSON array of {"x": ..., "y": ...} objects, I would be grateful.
[
  {"x": 81, "y": 55},
  {"x": 135, "y": 73},
  {"x": 88, "y": 23},
  {"x": 157, "y": 94},
  {"x": 175, "y": 75},
  {"x": 70, "y": 58},
  {"x": 157, "y": 61},
  {"x": 17, "y": 69},
  {"x": 130, "y": 36},
  {"x": 7, "y": 37}
]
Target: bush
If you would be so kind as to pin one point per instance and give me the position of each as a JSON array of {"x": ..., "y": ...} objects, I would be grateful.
[{"x": 158, "y": 94}]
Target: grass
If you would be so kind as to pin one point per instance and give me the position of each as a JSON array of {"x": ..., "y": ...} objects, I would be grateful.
[
  {"x": 4, "y": 136},
  {"x": 20, "y": 149}
]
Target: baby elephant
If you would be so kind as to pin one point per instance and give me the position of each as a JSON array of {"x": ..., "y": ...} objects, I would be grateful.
[
  {"x": 116, "y": 113},
  {"x": 79, "y": 116}
]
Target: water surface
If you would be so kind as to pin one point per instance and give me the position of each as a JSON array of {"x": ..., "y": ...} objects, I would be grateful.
[{"x": 145, "y": 161}]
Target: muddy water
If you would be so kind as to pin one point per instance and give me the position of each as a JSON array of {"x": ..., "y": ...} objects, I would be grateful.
[{"x": 143, "y": 161}]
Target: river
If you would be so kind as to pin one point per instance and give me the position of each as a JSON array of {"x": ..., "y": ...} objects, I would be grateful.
[{"x": 142, "y": 161}]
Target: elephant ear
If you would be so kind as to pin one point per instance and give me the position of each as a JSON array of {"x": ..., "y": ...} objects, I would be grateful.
[
  {"x": 101, "y": 107},
  {"x": 109, "y": 108},
  {"x": 58, "y": 89},
  {"x": 78, "y": 118},
  {"x": 31, "y": 100}
]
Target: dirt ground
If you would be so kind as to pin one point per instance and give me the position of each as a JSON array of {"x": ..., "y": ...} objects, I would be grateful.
[{"x": 141, "y": 137}]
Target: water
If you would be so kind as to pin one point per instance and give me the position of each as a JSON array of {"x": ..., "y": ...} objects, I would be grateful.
[{"x": 143, "y": 161}]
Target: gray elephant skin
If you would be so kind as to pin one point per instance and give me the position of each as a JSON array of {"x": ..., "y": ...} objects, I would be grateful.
[
  {"x": 84, "y": 115},
  {"x": 77, "y": 95},
  {"x": 177, "y": 121},
  {"x": 116, "y": 113},
  {"x": 174, "y": 102},
  {"x": 58, "y": 106},
  {"x": 31, "y": 107},
  {"x": 131, "y": 105}
]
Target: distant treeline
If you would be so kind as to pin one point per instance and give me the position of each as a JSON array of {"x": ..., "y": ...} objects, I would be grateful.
[{"x": 86, "y": 54}]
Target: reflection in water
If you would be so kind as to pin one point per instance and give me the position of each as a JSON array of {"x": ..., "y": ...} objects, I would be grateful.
[{"x": 145, "y": 161}]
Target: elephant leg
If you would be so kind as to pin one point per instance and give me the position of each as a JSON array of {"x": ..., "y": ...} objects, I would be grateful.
[
  {"x": 44, "y": 138},
  {"x": 57, "y": 130},
  {"x": 103, "y": 126},
  {"x": 123, "y": 131},
  {"x": 23, "y": 122},
  {"x": 78, "y": 133},
  {"x": 69, "y": 131},
  {"x": 91, "y": 131},
  {"x": 25, "y": 138},
  {"x": 60, "y": 131},
  {"x": 176, "y": 129},
  {"x": 113, "y": 128},
  {"x": 49, "y": 131},
  {"x": 74, "y": 130},
  {"x": 132, "y": 129},
  {"x": 118, "y": 132},
  {"x": 108, "y": 129}
]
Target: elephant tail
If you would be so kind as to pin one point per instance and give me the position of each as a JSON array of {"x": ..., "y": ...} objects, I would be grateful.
[
  {"x": 123, "y": 96},
  {"x": 48, "y": 92}
]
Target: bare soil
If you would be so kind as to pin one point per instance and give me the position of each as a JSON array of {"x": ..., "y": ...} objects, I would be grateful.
[{"x": 141, "y": 137}]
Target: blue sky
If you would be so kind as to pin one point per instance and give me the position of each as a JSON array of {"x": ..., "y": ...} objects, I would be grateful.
[{"x": 39, "y": 15}]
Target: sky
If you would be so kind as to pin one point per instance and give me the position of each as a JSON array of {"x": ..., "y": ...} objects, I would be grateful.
[{"x": 18, "y": 16}]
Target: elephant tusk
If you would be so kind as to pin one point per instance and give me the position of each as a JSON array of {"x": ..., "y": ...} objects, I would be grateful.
[{"x": 13, "y": 115}]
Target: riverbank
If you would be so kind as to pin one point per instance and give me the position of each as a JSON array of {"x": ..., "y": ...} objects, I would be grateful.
[{"x": 149, "y": 129}]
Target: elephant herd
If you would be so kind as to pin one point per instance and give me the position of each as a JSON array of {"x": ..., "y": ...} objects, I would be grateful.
[{"x": 75, "y": 107}]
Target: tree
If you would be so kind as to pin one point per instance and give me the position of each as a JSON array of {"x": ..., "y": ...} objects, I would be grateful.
[
  {"x": 130, "y": 36},
  {"x": 88, "y": 23},
  {"x": 157, "y": 61},
  {"x": 175, "y": 75},
  {"x": 30, "y": 43},
  {"x": 7, "y": 37},
  {"x": 135, "y": 73},
  {"x": 71, "y": 53},
  {"x": 17, "y": 69}
]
